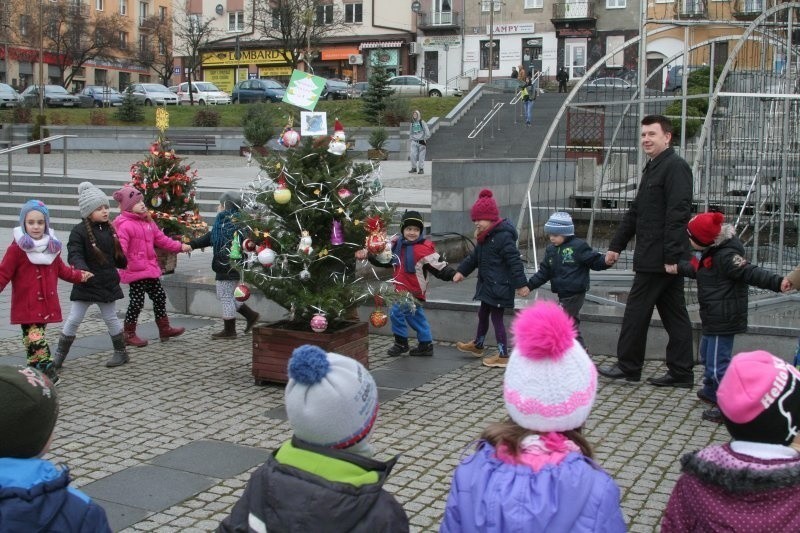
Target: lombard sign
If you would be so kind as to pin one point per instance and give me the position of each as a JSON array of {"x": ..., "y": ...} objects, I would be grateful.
[
  {"x": 505, "y": 29},
  {"x": 228, "y": 57}
]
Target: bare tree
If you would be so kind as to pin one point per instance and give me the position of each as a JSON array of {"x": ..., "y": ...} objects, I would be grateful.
[
  {"x": 156, "y": 53},
  {"x": 192, "y": 33},
  {"x": 298, "y": 26}
]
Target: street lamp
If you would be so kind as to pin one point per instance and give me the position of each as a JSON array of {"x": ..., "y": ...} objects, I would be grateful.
[{"x": 41, "y": 57}]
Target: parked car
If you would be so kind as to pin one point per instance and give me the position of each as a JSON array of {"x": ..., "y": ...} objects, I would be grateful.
[
  {"x": 358, "y": 88},
  {"x": 203, "y": 92},
  {"x": 258, "y": 91},
  {"x": 335, "y": 90},
  {"x": 54, "y": 96},
  {"x": 99, "y": 96},
  {"x": 173, "y": 88},
  {"x": 9, "y": 97},
  {"x": 416, "y": 86},
  {"x": 153, "y": 94},
  {"x": 608, "y": 84}
]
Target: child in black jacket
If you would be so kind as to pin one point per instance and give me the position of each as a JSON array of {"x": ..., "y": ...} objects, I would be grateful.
[{"x": 566, "y": 265}]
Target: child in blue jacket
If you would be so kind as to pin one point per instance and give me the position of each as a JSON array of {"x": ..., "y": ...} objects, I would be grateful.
[{"x": 35, "y": 494}]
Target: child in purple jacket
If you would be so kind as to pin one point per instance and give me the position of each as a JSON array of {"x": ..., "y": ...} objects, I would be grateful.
[{"x": 535, "y": 472}]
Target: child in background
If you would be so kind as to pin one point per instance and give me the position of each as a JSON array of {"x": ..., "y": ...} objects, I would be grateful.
[
  {"x": 93, "y": 246},
  {"x": 566, "y": 265},
  {"x": 324, "y": 479},
  {"x": 413, "y": 257},
  {"x": 500, "y": 273},
  {"x": 535, "y": 471},
  {"x": 418, "y": 135},
  {"x": 139, "y": 236},
  {"x": 227, "y": 277},
  {"x": 723, "y": 275},
  {"x": 751, "y": 484},
  {"x": 35, "y": 494},
  {"x": 32, "y": 264}
]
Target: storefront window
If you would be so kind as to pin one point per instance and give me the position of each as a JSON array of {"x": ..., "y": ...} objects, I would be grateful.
[
  {"x": 388, "y": 59},
  {"x": 486, "y": 46}
]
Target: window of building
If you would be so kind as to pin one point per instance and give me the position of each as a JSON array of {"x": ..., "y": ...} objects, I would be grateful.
[
  {"x": 615, "y": 4},
  {"x": 24, "y": 24},
  {"x": 325, "y": 14},
  {"x": 100, "y": 76},
  {"x": 162, "y": 13},
  {"x": 613, "y": 42},
  {"x": 533, "y": 4},
  {"x": 144, "y": 11},
  {"x": 144, "y": 78},
  {"x": 494, "y": 47},
  {"x": 144, "y": 45},
  {"x": 99, "y": 4},
  {"x": 162, "y": 47},
  {"x": 236, "y": 21},
  {"x": 486, "y": 5},
  {"x": 123, "y": 7},
  {"x": 353, "y": 13},
  {"x": 124, "y": 81},
  {"x": 276, "y": 18},
  {"x": 123, "y": 40}
]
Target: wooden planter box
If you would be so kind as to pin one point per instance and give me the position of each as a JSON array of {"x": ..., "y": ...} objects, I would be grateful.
[
  {"x": 46, "y": 148},
  {"x": 273, "y": 346},
  {"x": 377, "y": 154}
]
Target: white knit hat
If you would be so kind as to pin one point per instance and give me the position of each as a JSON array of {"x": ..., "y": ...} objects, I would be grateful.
[
  {"x": 550, "y": 383},
  {"x": 559, "y": 223},
  {"x": 90, "y": 198}
]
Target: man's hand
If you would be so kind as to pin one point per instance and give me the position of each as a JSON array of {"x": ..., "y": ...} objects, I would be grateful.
[
  {"x": 458, "y": 277},
  {"x": 786, "y": 285},
  {"x": 671, "y": 269},
  {"x": 611, "y": 257},
  {"x": 361, "y": 254},
  {"x": 522, "y": 292}
]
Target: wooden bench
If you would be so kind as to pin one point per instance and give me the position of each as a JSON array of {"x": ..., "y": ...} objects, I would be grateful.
[{"x": 202, "y": 141}]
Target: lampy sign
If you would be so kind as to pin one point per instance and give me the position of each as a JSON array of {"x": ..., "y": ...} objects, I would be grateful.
[{"x": 507, "y": 29}]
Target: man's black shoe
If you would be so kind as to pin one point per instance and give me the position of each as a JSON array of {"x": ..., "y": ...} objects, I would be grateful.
[
  {"x": 615, "y": 372},
  {"x": 668, "y": 381}
]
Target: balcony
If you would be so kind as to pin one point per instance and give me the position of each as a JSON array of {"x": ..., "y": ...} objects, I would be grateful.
[
  {"x": 570, "y": 11},
  {"x": 77, "y": 9},
  {"x": 747, "y": 9},
  {"x": 691, "y": 9},
  {"x": 439, "y": 20}
]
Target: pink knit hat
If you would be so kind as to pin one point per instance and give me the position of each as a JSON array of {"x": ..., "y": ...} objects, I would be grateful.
[
  {"x": 128, "y": 197},
  {"x": 485, "y": 208},
  {"x": 760, "y": 398},
  {"x": 550, "y": 383}
]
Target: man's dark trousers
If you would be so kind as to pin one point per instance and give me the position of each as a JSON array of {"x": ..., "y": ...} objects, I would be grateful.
[{"x": 664, "y": 292}]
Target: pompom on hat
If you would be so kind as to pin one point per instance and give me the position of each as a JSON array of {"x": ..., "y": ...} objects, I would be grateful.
[
  {"x": 331, "y": 400},
  {"x": 559, "y": 223},
  {"x": 759, "y": 397},
  {"x": 550, "y": 382},
  {"x": 128, "y": 197},
  {"x": 705, "y": 227},
  {"x": 90, "y": 198},
  {"x": 485, "y": 207},
  {"x": 28, "y": 411}
]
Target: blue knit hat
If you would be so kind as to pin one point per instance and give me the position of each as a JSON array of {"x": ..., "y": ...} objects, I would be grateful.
[
  {"x": 559, "y": 223},
  {"x": 26, "y": 242}
]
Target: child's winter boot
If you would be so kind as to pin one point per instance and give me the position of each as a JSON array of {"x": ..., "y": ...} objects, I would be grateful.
[
  {"x": 470, "y": 347},
  {"x": 249, "y": 315},
  {"x": 423, "y": 349},
  {"x": 399, "y": 347},
  {"x": 131, "y": 339},
  {"x": 49, "y": 369},
  {"x": 120, "y": 356},
  {"x": 64, "y": 344},
  {"x": 165, "y": 331},
  {"x": 228, "y": 331}
]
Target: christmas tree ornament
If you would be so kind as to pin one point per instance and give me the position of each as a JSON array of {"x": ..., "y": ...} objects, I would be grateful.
[
  {"x": 338, "y": 131},
  {"x": 337, "y": 145},
  {"x": 290, "y": 138},
  {"x": 266, "y": 257},
  {"x": 319, "y": 323},
  {"x": 337, "y": 237},
  {"x": 304, "y": 247},
  {"x": 376, "y": 186},
  {"x": 241, "y": 292},
  {"x": 249, "y": 245},
  {"x": 378, "y": 318},
  {"x": 304, "y": 275},
  {"x": 282, "y": 193},
  {"x": 344, "y": 193},
  {"x": 155, "y": 201},
  {"x": 236, "y": 249},
  {"x": 385, "y": 256},
  {"x": 376, "y": 238}
]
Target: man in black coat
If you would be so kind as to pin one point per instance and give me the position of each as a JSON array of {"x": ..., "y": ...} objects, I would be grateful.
[
  {"x": 657, "y": 218},
  {"x": 562, "y": 78}
]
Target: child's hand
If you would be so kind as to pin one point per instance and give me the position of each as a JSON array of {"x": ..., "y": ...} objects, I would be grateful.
[
  {"x": 671, "y": 269},
  {"x": 361, "y": 254},
  {"x": 458, "y": 277},
  {"x": 86, "y": 276},
  {"x": 522, "y": 292},
  {"x": 786, "y": 285},
  {"x": 611, "y": 257},
  {"x": 185, "y": 248}
]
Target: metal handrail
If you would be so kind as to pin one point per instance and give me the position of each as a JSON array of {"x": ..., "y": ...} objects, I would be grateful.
[
  {"x": 485, "y": 120},
  {"x": 8, "y": 152}
]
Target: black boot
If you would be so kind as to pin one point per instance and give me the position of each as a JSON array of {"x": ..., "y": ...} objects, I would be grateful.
[
  {"x": 249, "y": 315},
  {"x": 399, "y": 347},
  {"x": 64, "y": 344},
  {"x": 423, "y": 349},
  {"x": 120, "y": 356},
  {"x": 228, "y": 332}
]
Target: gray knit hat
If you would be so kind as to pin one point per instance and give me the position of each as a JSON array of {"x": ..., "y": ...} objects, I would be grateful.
[
  {"x": 559, "y": 223},
  {"x": 231, "y": 200},
  {"x": 90, "y": 198},
  {"x": 28, "y": 411},
  {"x": 331, "y": 400}
]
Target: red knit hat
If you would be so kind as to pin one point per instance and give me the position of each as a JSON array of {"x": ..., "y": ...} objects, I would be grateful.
[
  {"x": 485, "y": 208},
  {"x": 705, "y": 228}
]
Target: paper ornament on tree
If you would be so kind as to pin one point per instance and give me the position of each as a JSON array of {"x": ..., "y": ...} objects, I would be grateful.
[
  {"x": 318, "y": 323},
  {"x": 241, "y": 292}
]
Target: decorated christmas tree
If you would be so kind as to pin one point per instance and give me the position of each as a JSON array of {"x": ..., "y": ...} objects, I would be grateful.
[
  {"x": 168, "y": 186},
  {"x": 304, "y": 220}
]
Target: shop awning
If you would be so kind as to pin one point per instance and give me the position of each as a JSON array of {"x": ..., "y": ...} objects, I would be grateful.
[
  {"x": 380, "y": 44},
  {"x": 338, "y": 52}
]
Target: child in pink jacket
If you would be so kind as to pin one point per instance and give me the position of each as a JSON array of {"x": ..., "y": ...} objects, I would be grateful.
[{"x": 139, "y": 236}]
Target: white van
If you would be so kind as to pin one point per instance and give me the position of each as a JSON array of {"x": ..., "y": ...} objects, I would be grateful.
[{"x": 203, "y": 93}]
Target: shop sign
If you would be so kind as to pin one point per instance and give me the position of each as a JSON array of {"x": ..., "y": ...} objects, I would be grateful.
[
  {"x": 509, "y": 55},
  {"x": 575, "y": 32},
  {"x": 228, "y": 57},
  {"x": 266, "y": 72},
  {"x": 505, "y": 29},
  {"x": 221, "y": 77},
  {"x": 437, "y": 42},
  {"x": 470, "y": 55}
]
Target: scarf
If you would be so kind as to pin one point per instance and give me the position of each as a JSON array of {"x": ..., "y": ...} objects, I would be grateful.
[
  {"x": 223, "y": 229},
  {"x": 482, "y": 235},
  {"x": 40, "y": 251},
  {"x": 409, "y": 251},
  {"x": 538, "y": 451}
]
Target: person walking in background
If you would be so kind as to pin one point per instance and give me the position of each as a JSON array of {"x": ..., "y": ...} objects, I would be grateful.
[
  {"x": 418, "y": 135},
  {"x": 332, "y": 404},
  {"x": 32, "y": 265},
  {"x": 36, "y": 494},
  {"x": 514, "y": 73},
  {"x": 226, "y": 276},
  {"x": 413, "y": 258},
  {"x": 528, "y": 96},
  {"x": 500, "y": 273},
  {"x": 139, "y": 236},
  {"x": 534, "y": 471},
  {"x": 562, "y": 77},
  {"x": 723, "y": 276},
  {"x": 566, "y": 264},
  {"x": 657, "y": 218},
  {"x": 93, "y": 246},
  {"x": 751, "y": 484}
]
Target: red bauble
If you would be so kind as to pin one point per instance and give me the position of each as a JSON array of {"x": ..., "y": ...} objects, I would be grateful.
[
  {"x": 378, "y": 318},
  {"x": 249, "y": 245},
  {"x": 376, "y": 243},
  {"x": 241, "y": 292}
]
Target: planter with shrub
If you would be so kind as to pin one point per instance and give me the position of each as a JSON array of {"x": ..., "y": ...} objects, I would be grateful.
[{"x": 377, "y": 140}]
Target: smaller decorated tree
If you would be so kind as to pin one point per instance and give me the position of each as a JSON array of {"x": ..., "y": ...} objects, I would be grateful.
[{"x": 168, "y": 186}]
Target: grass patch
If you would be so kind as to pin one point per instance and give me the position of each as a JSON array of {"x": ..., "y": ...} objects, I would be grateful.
[{"x": 348, "y": 112}]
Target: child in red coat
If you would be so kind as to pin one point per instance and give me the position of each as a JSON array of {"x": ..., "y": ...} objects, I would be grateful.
[{"x": 32, "y": 264}]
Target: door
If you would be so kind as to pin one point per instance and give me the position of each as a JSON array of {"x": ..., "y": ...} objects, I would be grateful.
[
  {"x": 442, "y": 12},
  {"x": 575, "y": 54},
  {"x": 432, "y": 66},
  {"x": 654, "y": 64},
  {"x": 532, "y": 55}
]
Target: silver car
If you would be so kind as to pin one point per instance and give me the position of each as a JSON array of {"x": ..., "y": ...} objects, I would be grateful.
[
  {"x": 8, "y": 96},
  {"x": 54, "y": 96},
  {"x": 416, "y": 86},
  {"x": 153, "y": 94},
  {"x": 203, "y": 92}
]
